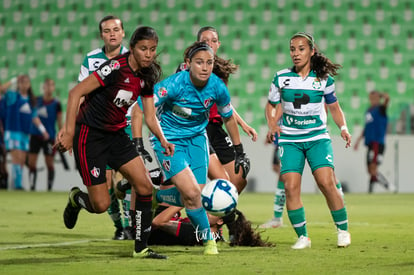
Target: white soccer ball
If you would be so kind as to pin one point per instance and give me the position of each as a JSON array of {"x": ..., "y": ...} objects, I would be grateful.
[{"x": 219, "y": 197}]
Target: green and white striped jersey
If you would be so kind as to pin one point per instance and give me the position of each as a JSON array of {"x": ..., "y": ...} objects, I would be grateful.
[
  {"x": 93, "y": 60},
  {"x": 303, "y": 103}
]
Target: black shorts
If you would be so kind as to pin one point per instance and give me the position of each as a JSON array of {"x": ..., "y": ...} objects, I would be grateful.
[
  {"x": 37, "y": 143},
  {"x": 375, "y": 153},
  {"x": 220, "y": 142},
  {"x": 94, "y": 149}
]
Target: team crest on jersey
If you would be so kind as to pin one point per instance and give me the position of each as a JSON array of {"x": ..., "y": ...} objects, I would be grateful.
[
  {"x": 142, "y": 83},
  {"x": 207, "y": 102},
  {"x": 183, "y": 67},
  {"x": 162, "y": 92},
  {"x": 115, "y": 65},
  {"x": 166, "y": 164},
  {"x": 95, "y": 172},
  {"x": 316, "y": 84}
]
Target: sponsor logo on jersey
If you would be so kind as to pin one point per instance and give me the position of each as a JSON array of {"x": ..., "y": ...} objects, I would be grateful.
[
  {"x": 299, "y": 121},
  {"x": 95, "y": 172},
  {"x": 42, "y": 112},
  {"x": 286, "y": 82},
  {"x": 166, "y": 164},
  {"x": 104, "y": 71},
  {"x": 329, "y": 158},
  {"x": 123, "y": 98},
  {"x": 162, "y": 92},
  {"x": 95, "y": 63},
  {"x": 181, "y": 111},
  {"x": 25, "y": 108},
  {"x": 300, "y": 99},
  {"x": 115, "y": 65}
]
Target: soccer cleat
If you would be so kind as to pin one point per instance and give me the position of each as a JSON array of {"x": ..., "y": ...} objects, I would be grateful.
[
  {"x": 210, "y": 248},
  {"x": 147, "y": 253},
  {"x": 70, "y": 215},
  {"x": 129, "y": 233},
  {"x": 120, "y": 188},
  {"x": 273, "y": 223},
  {"x": 119, "y": 235},
  {"x": 344, "y": 238},
  {"x": 302, "y": 242}
]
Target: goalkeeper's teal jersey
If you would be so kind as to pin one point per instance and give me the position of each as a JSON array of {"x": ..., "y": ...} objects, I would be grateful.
[
  {"x": 303, "y": 103},
  {"x": 93, "y": 60}
]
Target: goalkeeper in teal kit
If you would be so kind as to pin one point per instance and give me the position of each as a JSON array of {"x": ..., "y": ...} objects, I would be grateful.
[{"x": 183, "y": 101}]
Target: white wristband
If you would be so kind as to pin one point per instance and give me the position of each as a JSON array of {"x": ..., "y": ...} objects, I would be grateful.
[
  {"x": 344, "y": 127},
  {"x": 41, "y": 128}
]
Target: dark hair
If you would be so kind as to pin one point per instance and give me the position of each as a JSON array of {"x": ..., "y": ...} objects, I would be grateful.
[
  {"x": 244, "y": 234},
  {"x": 109, "y": 17},
  {"x": 206, "y": 28},
  {"x": 151, "y": 74},
  {"x": 322, "y": 65},
  {"x": 196, "y": 47},
  {"x": 222, "y": 68},
  {"x": 32, "y": 98}
]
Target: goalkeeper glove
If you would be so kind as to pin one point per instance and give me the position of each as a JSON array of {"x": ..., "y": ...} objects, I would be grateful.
[
  {"x": 139, "y": 146},
  {"x": 241, "y": 161}
]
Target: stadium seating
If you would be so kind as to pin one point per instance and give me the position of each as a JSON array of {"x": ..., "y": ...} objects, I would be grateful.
[{"x": 372, "y": 39}]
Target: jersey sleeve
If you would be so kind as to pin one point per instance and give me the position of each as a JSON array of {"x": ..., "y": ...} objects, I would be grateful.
[
  {"x": 107, "y": 72},
  {"x": 84, "y": 70},
  {"x": 58, "y": 107},
  {"x": 146, "y": 91},
  {"x": 161, "y": 92},
  {"x": 274, "y": 91},
  {"x": 329, "y": 92},
  {"x": 224, "y": 107}
]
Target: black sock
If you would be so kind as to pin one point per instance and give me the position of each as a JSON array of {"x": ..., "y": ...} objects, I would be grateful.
[
  {"x": 33, "y": 178},
  {"x": 142, "y": 217},
  {"x": 82, "y": 199},
  {"x": 50, "y": 178}
]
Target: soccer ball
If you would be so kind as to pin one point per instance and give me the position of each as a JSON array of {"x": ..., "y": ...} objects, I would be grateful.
[{"x": 219, "y": 197}]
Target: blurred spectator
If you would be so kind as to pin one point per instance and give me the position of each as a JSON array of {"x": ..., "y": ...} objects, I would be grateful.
[
  {"x": 16, "y": 113},
  {"x": 374, "y": 132},
  {"x": 47, "y": 113}
]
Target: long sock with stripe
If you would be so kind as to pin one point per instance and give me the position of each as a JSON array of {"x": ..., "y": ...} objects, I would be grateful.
[
  {"x": 298, "y": 220},
  {"x": 280, "y": 199},
  {"x": 113, "y": 209},
  {"x": 339, "y": 187},
  {"x": 143, "y": 220},
  {"x": 126, "y": 205},
  {"x": 340, "y": 218}
]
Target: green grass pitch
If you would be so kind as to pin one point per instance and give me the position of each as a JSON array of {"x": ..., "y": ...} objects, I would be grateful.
[{"x": 33, "y": 240}]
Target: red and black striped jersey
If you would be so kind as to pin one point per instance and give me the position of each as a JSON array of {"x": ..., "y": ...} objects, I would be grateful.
[{"x": 105, "y": 108}]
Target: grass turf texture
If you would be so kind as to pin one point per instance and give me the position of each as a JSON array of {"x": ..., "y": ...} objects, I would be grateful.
[{"x": 33, "y": 240}]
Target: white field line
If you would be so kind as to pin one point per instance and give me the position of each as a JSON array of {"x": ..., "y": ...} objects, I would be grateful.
[{"x": 51, "y": 244}]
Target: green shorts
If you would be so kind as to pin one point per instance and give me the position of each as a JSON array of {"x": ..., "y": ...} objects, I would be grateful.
[{"x": 292, "y": 155}]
